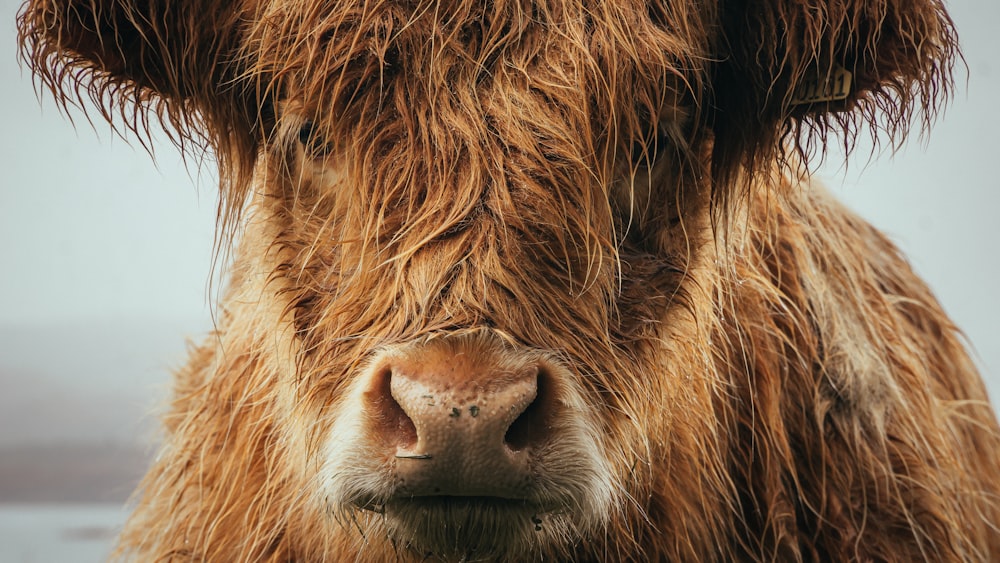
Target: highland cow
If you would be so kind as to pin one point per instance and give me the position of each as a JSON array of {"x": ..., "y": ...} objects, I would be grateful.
[{"x": 546, "y": 280}]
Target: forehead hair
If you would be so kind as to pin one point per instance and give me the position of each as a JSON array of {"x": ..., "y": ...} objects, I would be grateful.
[
  {"x": 593, "y": 76},
  {"x": 462, "y": 75}
]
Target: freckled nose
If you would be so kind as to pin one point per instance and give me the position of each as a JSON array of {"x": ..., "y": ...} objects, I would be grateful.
[{"x": 458, "y": 424}]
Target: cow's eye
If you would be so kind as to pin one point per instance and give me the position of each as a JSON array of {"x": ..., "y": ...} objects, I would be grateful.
[
  {"x": 306, "y": 132},
  {"x": 654, "y": 141},
  {"x": 645, "y": 151},
  {"x": 311, "y": 139}
]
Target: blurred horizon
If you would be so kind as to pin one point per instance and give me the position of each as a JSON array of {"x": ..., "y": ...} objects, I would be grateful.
[{"x": 89, "y": 436}]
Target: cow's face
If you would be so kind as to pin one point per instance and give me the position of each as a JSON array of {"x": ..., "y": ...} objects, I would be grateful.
[
  {"x": 477, "y": 239},
  {"x": 479, "y": 264}
]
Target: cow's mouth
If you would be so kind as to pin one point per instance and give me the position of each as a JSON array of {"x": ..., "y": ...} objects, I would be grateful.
[
  {"x": 453, "y": 502},
  {"x": 474, "y": 527}
]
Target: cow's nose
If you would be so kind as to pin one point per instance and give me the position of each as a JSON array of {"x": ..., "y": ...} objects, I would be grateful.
[{"x": 460, "y": 423}]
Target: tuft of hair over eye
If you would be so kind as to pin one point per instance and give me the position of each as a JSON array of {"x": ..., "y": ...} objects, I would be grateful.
[
  {"x": 313, "y": 140},
  {"x": 647, "y": 147}
]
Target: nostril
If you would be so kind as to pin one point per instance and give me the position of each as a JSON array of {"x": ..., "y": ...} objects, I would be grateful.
[
  {"x": 531, "y": 426},
  {"x": 394, "y": 424}
]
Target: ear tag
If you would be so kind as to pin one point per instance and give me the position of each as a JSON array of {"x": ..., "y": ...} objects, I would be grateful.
[{"x": 814, "y": 89}]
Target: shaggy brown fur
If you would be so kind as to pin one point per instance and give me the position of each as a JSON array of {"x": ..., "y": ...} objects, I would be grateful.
[{"x": 614, "y": 185}]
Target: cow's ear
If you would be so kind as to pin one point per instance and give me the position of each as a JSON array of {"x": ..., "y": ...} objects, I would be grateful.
[
  {"x": 142, "y": 60},
  {"x": 796, "y": 72}
]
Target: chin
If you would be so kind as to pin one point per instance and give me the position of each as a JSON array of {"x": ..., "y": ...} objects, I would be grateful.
[{"x": 478, "y": 528}]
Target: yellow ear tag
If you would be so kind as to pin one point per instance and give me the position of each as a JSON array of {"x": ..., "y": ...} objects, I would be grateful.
[{"x": 815, "y": 89}]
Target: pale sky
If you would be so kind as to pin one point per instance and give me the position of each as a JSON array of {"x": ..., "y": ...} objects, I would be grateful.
[{"x": 92, "y": 232}]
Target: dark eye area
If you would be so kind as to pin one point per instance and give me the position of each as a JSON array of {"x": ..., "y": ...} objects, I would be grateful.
[
  {"x": 646, "y": 149},
  {"x": 646, "y": 137},
  {"x": 306, "y": 132},
  {"x": 312, "y": 140},
  {"x": 654, "y": 134}
]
